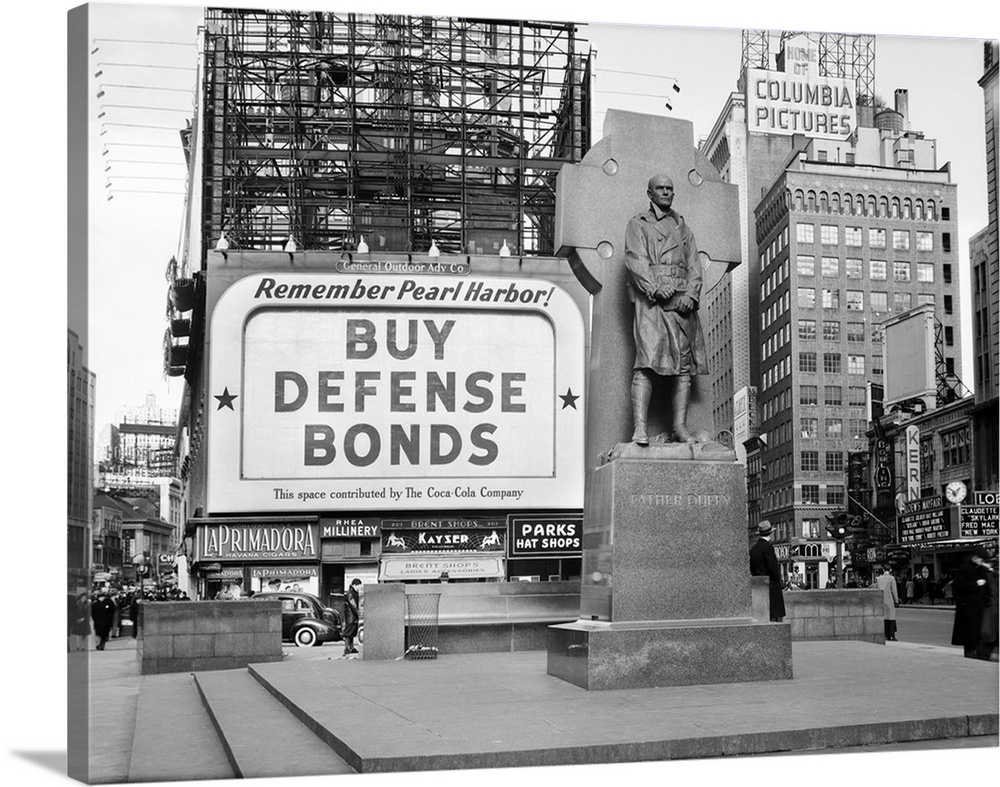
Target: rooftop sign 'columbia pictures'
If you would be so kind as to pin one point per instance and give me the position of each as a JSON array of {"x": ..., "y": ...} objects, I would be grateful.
[
  {"x": 369, "y": 392},
  {"x": 798, "y": 100}
]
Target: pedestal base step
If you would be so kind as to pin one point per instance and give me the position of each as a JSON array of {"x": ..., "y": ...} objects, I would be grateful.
[{"x": 599, "y": 656}]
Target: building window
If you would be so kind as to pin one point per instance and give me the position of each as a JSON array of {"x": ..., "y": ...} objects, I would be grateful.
[
  {"x": 926, "y": 457},
  {"x": 829, "y": 234},
  {"x": 808, "y": 395},
  {"x": 901, "y": 301},
  {"x": 877, "y": 270},
  {"x": 925, "y": 241},
  {"x": 831, "y": 267},
  {"x": 925, "y": 297},
  {"x": 831, "y": 363},
  {"x": 900, "y": 271},
  {"x": 955, "y": 447},
  {"x": 859, "y": 427},
  {"x": 831, "y": 299},
  {"x": 854, "y": 267},
  {"x": 949, "y": 336},
  {"x": 805, "y": 233},
  {"x": 946, "y": 272},
  {"x": 807, "y": 329},
  {"x": 809, "y": 426},
  {"x": 945, "y": 241},
  {"x": 925, "y": 272},
  {"x": 948, "y": 304},
  {"x": 810, "y": 494},
  {"x": 852, "y": 236},
  {"x": 833, "y": 395},
  {"x": 876, "y": 238},
  {"x": 807, "y": 362},
  {"x": 805, "y": 264},
  {"x": 806, "y": 297},
  {"x": 855, "y": 364},
  {"x": 855, "y": 331},
  {"x": 855, "y": 301},
  {"x": 901, "y": 240},
  {"x": 831, "y": 331},
  {"x": 835, "y": 495},
  {"x": 834, "y": 428},
  {"x": 810, "y": 460},
  {"x": 880, "y": 302},
  {"x": 835, "y": 461},
  {"x": 857, "y": 396}
]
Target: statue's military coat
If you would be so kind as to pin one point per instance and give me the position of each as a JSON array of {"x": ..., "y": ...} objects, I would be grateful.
[{"x": 660, "y": 249}]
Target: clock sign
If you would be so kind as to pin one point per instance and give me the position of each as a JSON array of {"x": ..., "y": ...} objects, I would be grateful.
[{"x": 955, "y": 492}]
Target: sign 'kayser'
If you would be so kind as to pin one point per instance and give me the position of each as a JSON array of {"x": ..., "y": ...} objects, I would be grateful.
[{"x": 369, "y": 392}]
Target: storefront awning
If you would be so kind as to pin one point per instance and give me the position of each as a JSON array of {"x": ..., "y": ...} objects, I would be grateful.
[{"x": 456, "y": 566}]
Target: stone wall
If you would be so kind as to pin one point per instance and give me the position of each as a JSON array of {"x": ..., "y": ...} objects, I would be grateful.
[
  {"x": 826, "y": 614},
  {"x": 193, "y": 636},
  {"x": 474, "y": 617}
]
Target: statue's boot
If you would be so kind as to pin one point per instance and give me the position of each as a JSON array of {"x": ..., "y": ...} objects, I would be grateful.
[
  {"x": 680, "y": 401},
  {"x": 642, "y": 392}
]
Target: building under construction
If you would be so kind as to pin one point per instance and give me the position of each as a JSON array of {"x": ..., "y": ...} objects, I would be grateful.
[{"x": 328, "y": 129}]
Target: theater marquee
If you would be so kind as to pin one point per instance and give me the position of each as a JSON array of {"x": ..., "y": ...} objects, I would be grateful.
[{"x": 369, "y": 392}]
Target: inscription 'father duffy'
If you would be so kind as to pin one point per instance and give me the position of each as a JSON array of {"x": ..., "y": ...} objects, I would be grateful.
[{"x": 681, "y": 500}]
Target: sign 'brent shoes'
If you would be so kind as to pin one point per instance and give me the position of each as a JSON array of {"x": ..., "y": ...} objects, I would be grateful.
[{"x": 369, "y": 392}]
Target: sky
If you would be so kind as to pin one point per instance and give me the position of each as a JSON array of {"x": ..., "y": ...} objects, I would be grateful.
[
  {"x": 137, "y": 161},
  {"x": 133, "y": 236}
]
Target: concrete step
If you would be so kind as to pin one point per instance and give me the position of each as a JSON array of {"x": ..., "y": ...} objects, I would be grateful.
[
  {"x": 173, "y": 738},
  {"x": 260, "y": 736}
]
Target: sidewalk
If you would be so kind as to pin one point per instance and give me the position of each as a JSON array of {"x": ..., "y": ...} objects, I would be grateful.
[{"x": 503, "y": 709}]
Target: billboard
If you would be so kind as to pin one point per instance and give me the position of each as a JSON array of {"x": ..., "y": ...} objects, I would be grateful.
[
  {"x": 909, "y": 356},
  {"x": 369, "y": 392},
  {"x": 799, "y": 100}
]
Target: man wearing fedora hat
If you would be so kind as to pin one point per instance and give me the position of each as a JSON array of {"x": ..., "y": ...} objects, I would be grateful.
[{"x": 763, "y": 563}]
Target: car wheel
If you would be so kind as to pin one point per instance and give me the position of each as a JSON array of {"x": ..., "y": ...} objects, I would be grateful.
[{"x": 305, "y": 637}]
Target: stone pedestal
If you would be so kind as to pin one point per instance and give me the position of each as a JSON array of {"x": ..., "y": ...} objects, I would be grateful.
[{"x": 665, "y": 591}]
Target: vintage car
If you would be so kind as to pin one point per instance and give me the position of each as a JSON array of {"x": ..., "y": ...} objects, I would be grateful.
[{"x": 304, "y": 619}]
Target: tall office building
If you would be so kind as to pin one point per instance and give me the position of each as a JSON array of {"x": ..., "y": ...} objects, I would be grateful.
[
  {"x": 80, "y": 392},
  {"x": 844, "y": 246},
  {"x": 983, "y": 257},
  {"x": 811, "y": 88},
  {"x": 850, "y": 220}
]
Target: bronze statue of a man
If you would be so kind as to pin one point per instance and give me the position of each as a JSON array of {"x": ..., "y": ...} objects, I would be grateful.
[{"x": 664, "y": 280}]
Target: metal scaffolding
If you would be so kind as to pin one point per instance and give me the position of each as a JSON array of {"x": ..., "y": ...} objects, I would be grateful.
[
  {"x": 331, "y": 128},
  {"x": 847, "y": 56}
]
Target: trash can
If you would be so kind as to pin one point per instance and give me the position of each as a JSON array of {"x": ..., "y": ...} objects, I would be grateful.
[{"x": 422, "y": 625}]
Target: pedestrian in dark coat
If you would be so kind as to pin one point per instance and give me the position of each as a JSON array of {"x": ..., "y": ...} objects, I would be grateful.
[
  {"x": 763, "y": 563},
  {"x": 352, "y": 616},
  {"x": 102, "y": 611},
  {"x": 79, "y": 620},
  {"x": 133, "y": 613},
  {"x": 973, "y": 597}
]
